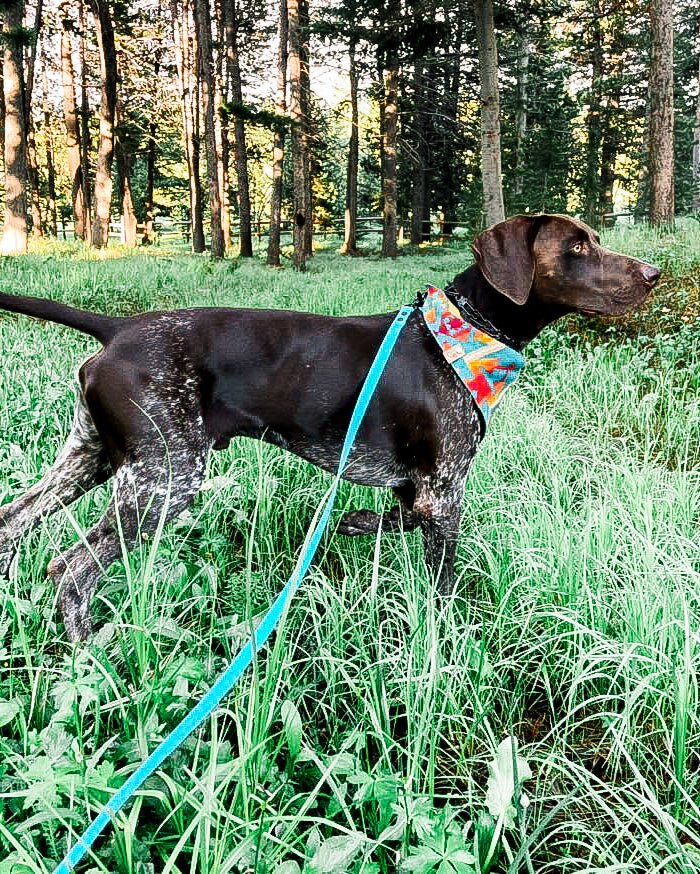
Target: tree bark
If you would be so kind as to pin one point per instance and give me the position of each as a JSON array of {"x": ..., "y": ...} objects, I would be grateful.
[
  {"x": 521, "y": 114},
  {"x": 14, "y": 237},
  {"x": 221, "y": 9},
  {"x": 490, "y": 112},
  {"x": 299, "y": 140},
  {"x": 72, "y": 130},
  {"x": 33, "y": 179},
  {"x": 661, "y": 170},
  {"x": 148, "y": 230},
  {"x": 420, "y": 152},
  {"x": 696, "y": 148},
  {"x": 32, "y": 163},
  {"x": 85, "y": 138},
  {"x": 50, "y": 169},
  {"x": 235, "y": 90},
  {"x": 273, "y": 248},
  {"x": 105, "y": 155},
  {"x": 306, "y": 113},
  {"x": 594, "y": 122},
  {"x": 180, "y": 20},
  {"x": 389, "y": 246},
  {"x": 203, "y": 31},
  {"x": 349, "y": 246},
  {"x": 125, "y": 160}
]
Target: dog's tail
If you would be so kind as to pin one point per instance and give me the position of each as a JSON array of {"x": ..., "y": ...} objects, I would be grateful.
[{"x": 102, "y": 328}]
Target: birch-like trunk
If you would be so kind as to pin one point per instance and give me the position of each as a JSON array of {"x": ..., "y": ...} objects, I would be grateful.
[{"x": 490, "y": 112}]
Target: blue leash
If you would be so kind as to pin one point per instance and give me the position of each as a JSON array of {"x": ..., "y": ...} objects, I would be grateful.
[{"x": 234, "y": 671}]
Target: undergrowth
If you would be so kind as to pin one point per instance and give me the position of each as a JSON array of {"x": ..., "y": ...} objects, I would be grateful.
[{"x": 379, "y": 731}]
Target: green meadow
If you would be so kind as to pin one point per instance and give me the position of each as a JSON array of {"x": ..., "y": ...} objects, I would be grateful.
[{"x": 369, "y": 735}]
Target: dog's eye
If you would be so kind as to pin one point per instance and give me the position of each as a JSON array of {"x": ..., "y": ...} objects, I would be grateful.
[{"x": 577, "y": 248}]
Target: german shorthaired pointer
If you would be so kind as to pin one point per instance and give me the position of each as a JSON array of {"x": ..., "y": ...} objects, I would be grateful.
[{"x": 169, "y": 386}]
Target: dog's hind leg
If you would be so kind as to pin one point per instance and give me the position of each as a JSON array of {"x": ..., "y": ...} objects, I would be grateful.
[
  {"x": 149, "y": 484},
  {"x": 399, "y": 518},
  {"x": 81, "y": 465}
]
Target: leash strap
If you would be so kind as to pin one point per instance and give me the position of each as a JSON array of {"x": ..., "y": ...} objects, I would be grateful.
[{"x": 234, "y": 671}]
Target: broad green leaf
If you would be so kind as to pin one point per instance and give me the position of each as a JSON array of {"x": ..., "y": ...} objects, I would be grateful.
[
  {"x": 336, "y": 853},
  {"x": 501, "y": 785},
  {"x": 8, "y": 711},
  {"x": 291, "y": 720},
  {"x": 289, "y": 867}
]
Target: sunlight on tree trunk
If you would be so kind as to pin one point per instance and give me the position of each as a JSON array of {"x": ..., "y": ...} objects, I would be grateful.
[
  {"x": 14, "y": 237},
  {"x": 103, "y": 173},
  {"x": 273, "y": 249}
]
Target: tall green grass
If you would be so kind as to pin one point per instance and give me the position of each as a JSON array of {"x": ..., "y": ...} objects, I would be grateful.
[{"x": 364, "y": 740}]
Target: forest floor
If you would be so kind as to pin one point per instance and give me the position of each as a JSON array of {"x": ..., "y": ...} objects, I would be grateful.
[{"x": 367, "y": 737}]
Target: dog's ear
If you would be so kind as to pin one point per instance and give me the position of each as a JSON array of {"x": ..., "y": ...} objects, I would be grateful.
[{"x": 504, "y": 254}]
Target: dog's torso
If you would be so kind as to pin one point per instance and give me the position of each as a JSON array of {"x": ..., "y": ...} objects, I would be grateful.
[{"x": 291, "y": 379}]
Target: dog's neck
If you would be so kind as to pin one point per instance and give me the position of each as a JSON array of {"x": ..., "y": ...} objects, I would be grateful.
[{"x": 495, "y": 314}]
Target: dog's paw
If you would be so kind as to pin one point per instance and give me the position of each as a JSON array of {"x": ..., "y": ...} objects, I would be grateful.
[{"x": 359, "y": 522}]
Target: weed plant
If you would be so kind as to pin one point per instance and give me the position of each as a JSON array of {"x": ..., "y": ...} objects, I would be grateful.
[{"x": 369, "y": 737}]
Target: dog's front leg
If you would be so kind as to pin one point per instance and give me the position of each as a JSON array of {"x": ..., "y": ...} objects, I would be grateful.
[{"x": 438, "y": 511}]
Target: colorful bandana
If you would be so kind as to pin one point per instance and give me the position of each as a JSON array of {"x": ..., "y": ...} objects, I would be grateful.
[{"x": 486, "y": 366}]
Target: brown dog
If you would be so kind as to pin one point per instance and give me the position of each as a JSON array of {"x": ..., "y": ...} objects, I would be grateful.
[{"x": 168, "y": 387}]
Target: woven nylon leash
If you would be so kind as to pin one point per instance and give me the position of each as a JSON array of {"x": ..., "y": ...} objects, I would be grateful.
[{"x": 234, "y": 671}]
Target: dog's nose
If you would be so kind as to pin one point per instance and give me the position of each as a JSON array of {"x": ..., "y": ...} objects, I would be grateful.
[{"x": 651, "y": 274}]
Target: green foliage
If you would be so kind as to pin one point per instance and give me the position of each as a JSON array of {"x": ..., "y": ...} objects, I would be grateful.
[{"x": 377, "y": 734}]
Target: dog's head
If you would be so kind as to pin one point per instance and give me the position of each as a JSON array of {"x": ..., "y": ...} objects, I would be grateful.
[{"x": 557, "y": 260}]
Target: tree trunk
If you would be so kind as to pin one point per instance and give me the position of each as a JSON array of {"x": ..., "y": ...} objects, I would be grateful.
[
  {"x": 203, "y": 31},
  {"x": 389, "y": 247},
  {"x": 180, "y": 17},
  {"x": 610, "y": 146},
  {"x": 235, "y": 86},
  {"x": 490, "y": 122},
  {"x": 420, "y": 152},
  {"x": 33, "y": 179},
  {"x": 521, "y": 114},
  {"x": 148, "y": 231},
  {"x": 661, "y": 171},
  {"x": 108, "y": 71},
  {"x": 14, "y": 237},
  {"x": 299, "y": 142},
  {"x": 594, "y": 123},
  {"x": 72, "y": 130},
  {"x": 32, "y": 163},
  {"x": 696, "y": 148},
  {"x": 349, "y": 246},
  {"x": 273, "y": 249},
  {"x": 125, "y": 162},
  {"x": 50, "y": 170},
  {"x": 85, "y": 138},
  {"x": 306, "y": 113},
  {"x": 220, "y": 120}
]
